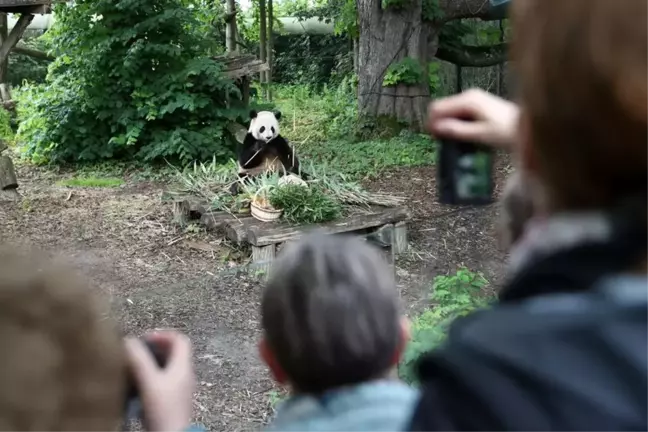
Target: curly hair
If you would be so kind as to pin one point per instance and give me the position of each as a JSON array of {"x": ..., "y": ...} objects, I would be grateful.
[{"x": 63, "y": 364}]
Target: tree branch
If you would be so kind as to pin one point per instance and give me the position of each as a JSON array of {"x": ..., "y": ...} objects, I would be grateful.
[
  {"x": 457, "y": 9},
  {"x": 473, "y": 56},
  {"x": 21, "y": 49}
]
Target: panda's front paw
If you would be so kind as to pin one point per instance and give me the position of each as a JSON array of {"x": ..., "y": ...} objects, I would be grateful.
[{"x": 235, "y": 189}]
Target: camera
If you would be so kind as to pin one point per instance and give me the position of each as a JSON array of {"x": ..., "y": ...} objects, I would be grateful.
[
  {"x": 133, "y": 405},
  {"x": 465, "y": 173}
]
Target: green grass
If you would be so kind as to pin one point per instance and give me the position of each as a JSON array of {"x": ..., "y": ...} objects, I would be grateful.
[
  {"x": 323, "y": 126},
  {"x": 368, "y": 159},
  {"x": 92, "y": 182}
]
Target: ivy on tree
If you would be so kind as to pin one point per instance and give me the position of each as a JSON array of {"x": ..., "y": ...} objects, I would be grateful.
[
  {"x": 407, "y": 71},
  {"x": 132, "y": 82}
]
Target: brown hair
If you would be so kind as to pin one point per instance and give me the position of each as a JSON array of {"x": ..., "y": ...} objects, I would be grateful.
[
  {"x": 63, "y": 365},
  {"x": 330, "y": 313},
  {"x": 583, "y": 89}
]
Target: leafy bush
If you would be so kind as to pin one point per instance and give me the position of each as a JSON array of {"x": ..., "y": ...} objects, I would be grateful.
[
  {"x": 133, "y": 82},
  {"x": 6, "y": 131},
  {"x": 453, "y": 296},
  {"x": 305, "y": 205}
]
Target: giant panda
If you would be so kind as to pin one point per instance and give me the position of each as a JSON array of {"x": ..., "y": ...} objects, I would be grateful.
[{"x": 264, "y": 149}]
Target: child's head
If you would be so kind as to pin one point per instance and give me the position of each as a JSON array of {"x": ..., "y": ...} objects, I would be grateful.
[
  {"x": 330, "y": 315},
  {"x": 63, "y": 365},
  {"x": 517, "y": 208}
]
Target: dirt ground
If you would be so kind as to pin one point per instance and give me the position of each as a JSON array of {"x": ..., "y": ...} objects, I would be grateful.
[{"x": 157, "y": 275}]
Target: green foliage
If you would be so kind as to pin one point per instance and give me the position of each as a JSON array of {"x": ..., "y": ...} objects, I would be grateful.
[
  {"x": 396, "y": 4},
  {"x": 313, "y": 60},
  {"x": 6, "y": 132},
  {"x": 434, "y": 79},
  {"x": 313, "y": 115},
  {"x": 305, "y": 205},
  {"x": 431, "y": 10},
  {"x": 407, "y": 71},
  {"x": 343, "y": 13},
  {"x": 135, "y": 82},
  {"x": 452, "y": 297},
  {"x": 93, "y": 182}
]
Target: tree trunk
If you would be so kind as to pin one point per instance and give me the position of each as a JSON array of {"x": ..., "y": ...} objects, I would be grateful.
[
  {"x": 389, "y": 35},
  {"x": 356, "y": 54},
  {"x": 262, "y": 39},
  {"x": 270, "y": 53},
  {"x": 231, "y": 28}
]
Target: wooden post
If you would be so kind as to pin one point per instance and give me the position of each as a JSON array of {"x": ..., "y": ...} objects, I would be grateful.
[
  {"x": 7, "y": 174},
  {"x": 263, "y": 257},
  {"x": 15, "y": 35},
  {"x": 262, "y": 39},
  {"x": 4, "y": 35},
  {"x": 399, "y": 241},
  {"x": 269, "y": 53}
]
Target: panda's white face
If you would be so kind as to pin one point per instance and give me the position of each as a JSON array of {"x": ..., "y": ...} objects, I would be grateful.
[{"x": 265, "y": 126}]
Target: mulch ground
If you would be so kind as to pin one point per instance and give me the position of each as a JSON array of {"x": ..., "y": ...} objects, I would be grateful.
[{"x": 157, "y": 275}]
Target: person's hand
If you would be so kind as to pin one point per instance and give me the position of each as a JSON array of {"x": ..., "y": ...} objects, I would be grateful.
[
  {"x": 166, "y": 394},
  {"x": 475, "y": 116}
]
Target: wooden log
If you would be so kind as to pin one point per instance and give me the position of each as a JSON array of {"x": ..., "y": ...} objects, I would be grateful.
[
  {"x": 215, "y": 221},
  {"x": 382, "y": 239},
  {"x": 399, "y": 242},
  {"x": 263, "y": 258},
  {"x": 8, "y": 178},
  {"x": 188, "y": 209},
  {"x": 266, "y": 234}
]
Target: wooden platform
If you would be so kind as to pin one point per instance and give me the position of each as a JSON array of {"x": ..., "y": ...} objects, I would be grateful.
[{"x": 384, "y": 227}]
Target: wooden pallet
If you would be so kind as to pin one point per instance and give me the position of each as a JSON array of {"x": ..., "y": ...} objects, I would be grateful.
[{"x": 384, "y": 227}]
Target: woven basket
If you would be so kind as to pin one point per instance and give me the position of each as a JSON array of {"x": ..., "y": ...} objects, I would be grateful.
[{"x": 264, "y": 214}]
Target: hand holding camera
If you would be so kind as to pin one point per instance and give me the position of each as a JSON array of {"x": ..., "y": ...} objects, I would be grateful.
[{"x": 163, "y": 379}]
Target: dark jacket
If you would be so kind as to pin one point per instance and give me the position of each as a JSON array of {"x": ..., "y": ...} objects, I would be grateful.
[{"x": 565, "y": 348}]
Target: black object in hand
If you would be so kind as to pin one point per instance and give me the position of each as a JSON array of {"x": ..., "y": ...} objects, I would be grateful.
[
  {"x": 464, "y": 173},
  {"x": 133, "y": 406}
]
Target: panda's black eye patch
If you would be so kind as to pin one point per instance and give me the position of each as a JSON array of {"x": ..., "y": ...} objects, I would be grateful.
[
  {"x": 272, "y": 129},
  {"x": 262, "y": 129}
]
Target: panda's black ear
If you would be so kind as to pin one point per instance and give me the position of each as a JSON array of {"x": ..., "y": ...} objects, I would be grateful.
[
  {"x": 253, "y": 114},
  {"x": 277, "y": 115}
]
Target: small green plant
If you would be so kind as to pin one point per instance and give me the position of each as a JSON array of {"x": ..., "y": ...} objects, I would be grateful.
[
  {"x": 407, "y": 71},
  {"x": 434, "y": 80},
  {"x": 452, "y": 297},
  {"x": 92, "y": 182},
  {"x": 305, "y": 205},
  {"x": 276, "y": 397}
]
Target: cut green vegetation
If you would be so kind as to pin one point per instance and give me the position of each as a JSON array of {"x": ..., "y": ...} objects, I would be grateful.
[
  {"x": 92, "y": 182},
  {"x": 305, "y": 205},
  {"x": 326, "y": 196}
]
